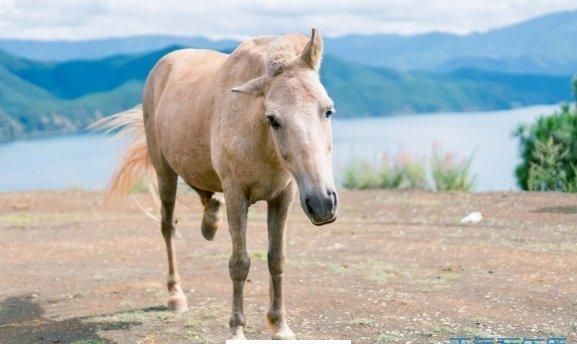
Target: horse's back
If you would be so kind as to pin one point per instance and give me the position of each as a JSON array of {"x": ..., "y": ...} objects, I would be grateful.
[{"x": 177, "y": 103}]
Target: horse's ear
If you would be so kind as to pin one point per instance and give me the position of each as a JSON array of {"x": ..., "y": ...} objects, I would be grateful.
[
  {"x": 256, "y": 86},
  {"x": 313, "y": 52}
]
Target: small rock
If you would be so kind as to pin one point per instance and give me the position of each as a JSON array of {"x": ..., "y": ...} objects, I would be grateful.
[
  {"x": 338, "y": 246},
  {"x": 472, "y": 218}
]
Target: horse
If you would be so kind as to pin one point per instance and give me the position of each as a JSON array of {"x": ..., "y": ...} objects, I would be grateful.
[{"x": 254, "y": 125}]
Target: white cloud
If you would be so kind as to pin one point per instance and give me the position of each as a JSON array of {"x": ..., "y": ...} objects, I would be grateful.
[{"x": 73, "y": 19}]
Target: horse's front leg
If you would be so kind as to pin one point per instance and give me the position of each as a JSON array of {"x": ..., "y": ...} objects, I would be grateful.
[
  {"x": 239, "y": 262},
  {"x": 278, "y": 209}
]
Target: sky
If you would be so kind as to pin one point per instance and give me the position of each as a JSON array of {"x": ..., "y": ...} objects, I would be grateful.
[{"x": 89, "y": 19}]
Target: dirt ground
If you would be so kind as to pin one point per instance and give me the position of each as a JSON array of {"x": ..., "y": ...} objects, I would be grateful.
[{"x": 395, "y": 267}]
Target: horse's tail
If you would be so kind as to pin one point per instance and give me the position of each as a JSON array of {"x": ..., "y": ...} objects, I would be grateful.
[{"x": 135, "y": 166}]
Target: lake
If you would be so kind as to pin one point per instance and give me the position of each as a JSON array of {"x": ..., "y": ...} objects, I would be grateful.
[{"x": 87, "y": 161}]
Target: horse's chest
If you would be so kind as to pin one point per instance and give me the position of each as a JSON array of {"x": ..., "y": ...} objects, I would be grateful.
[
  {"x": 267, "y": 189},
  {"x": 259, "y": 180}
]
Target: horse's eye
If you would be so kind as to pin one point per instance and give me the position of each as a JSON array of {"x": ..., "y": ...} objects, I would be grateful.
[
  {"x": 273, "y": 122},
  {"x": 330, "y": 112}
]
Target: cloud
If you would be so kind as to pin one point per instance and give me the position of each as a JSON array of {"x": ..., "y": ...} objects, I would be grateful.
[{"x": 73, "y": 19}]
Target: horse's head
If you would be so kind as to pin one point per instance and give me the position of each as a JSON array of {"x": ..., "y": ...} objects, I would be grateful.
[{"x": 298, "y": 112}]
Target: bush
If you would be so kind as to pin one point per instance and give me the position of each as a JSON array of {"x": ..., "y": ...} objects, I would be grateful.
[
  {"x": 451, "y": 173},
  {"x": 411, "y": 173},
  {"x": 360, "y": 174},
  {"x": 405, "y": 172},
  {"x": 546, "y": 172},
  {"x": 549, "y": 151},
  {"x": 400, "y": 173}
]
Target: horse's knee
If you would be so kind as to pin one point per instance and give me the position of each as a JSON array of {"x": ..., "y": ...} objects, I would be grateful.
[
  {"x": 239, "y": 265},
  {"x": 275, "y": 263},
  {"x": 167, "y": 228}
]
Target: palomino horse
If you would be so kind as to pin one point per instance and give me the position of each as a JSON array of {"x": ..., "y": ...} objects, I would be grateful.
[{"x": 254, "y": 125}]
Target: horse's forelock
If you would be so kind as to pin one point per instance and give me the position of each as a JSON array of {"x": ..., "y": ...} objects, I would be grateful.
[{"x": 284, "y": 50}]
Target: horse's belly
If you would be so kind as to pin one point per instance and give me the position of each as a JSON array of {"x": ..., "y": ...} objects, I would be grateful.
[
  {"x": 189, "y": 156},
  {"x": 206, "y": 179}
]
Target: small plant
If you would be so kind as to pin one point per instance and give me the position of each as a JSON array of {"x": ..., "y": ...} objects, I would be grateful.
[
  {"x": 451, "y": 173},
  {"x": 411, "y": 173},
  {"x": 360, "y": 174}
]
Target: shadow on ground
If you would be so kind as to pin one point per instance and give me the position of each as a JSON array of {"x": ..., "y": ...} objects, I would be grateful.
[{"x": 22, "y": 321}]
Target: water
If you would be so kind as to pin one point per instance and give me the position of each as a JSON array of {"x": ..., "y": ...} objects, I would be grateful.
[{"x": 87, "y": 161}]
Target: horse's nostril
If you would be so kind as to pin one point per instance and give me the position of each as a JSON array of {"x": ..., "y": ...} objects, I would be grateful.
[
  {"x": 333, "y": 197},
  {"x": 309, "y": 208}
]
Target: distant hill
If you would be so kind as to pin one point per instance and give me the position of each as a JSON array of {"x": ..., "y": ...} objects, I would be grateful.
[
  {"x": 39, "y": 98},
  {"x": 545, "y": 44},
  {"x": 542, "y": 45},
  {"x": 58, "y": 51},
  {"x": 42, "y": 98},
  {"x": 361, "y": 91}
]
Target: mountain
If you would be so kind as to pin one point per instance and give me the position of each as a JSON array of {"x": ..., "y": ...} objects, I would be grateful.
[
  {"x": 361, "y": 91},
  {"x": 39, "y": 98},
  {"x": 58, "y": 51},
  {"x": 542, "y": 45}
]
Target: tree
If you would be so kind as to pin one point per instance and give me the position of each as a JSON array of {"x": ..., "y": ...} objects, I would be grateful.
[{"x": 549, "y": 150}]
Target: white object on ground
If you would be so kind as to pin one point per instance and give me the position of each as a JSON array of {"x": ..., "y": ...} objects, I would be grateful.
[{"x": 474, "y": 217}]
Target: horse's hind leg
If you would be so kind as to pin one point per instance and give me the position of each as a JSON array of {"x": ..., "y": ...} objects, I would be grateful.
[
  {"x": 212, "y": 216},
  {"x": 167, "y": 183}
]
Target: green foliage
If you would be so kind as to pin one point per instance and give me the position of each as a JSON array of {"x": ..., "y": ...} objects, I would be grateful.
[
  {"x": 411, "y": 174},
  {"x": 574, "y": 84},
  {"x": 549, "y": 151},
  {"x": 360, "y": 174},
  {"x": 448, "y": 173},
  {"x": 547, "y": 172},
  {"x": 400, "y": 173}
]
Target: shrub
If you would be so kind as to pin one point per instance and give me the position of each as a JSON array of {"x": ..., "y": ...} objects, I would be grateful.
[
  {"x": 411, "y": 173},
  {"x": 359, "y": 174},
  {"x": 549, "y": 150},
  {"x": 450, "y": 173},
  {"x": 405, "y": 172},
  {"x": 546, "y": 172}
]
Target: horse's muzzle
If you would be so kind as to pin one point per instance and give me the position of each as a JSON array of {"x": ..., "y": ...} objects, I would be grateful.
[{"x": 320, "y": 208}]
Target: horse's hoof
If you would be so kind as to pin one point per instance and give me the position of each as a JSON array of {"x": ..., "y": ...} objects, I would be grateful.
[
  {"x": 208, "y": 229},
  {"x": 284, "y": 334},
  {"x": 237, "y": 333},
  {"x": 177, "y": 303},
  {"x": 211, "y": 218}
]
